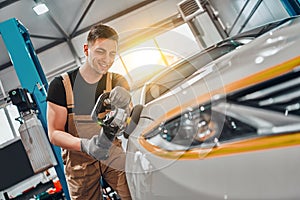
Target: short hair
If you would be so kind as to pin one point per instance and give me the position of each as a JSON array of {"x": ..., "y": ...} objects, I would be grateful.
[{"x": 102, "y": 31}]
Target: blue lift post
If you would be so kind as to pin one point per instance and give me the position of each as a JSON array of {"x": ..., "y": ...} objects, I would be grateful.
[
  {"x": 31, "y": 76},
  {"x": 292, "y": 6}
]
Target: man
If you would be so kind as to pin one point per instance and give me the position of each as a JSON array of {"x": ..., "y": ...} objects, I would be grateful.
[{"x": 71, "y": 98}]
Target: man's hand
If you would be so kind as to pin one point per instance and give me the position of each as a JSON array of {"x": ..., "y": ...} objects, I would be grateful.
[
  {"x": 119, "y": 97},
  {"x": 98, "y": 146}
]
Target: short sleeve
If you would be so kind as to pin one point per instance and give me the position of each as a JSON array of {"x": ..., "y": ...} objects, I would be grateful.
[{"x": 56, "y": 92}]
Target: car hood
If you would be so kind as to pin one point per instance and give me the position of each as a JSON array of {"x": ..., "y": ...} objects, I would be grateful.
[{"x": 260, "y": 60}]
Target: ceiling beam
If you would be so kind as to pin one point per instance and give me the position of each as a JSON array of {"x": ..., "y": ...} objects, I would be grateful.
[
  {"x": 48, "y": 46},
  {"x": 67, "y": 38},
  {"x": 7, "y": 3},
  {"x": 46, "y": 37},
  {"x": 115, "y": 16},
  {"x": 39, "y": 50},
  {"x": 5, "y": 65},
  {"x": 82, "y": 17}
]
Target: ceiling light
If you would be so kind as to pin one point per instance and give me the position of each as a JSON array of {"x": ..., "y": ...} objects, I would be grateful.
[{"x": 40, "y": 8}]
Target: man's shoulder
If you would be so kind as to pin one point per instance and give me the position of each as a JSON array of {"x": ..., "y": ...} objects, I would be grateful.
[
  {"x": 71, "y": 74},
  {"x": 116, "y": 75},
  {"x": 119, "y": 80},
  {"x": 57, "y": 80}
]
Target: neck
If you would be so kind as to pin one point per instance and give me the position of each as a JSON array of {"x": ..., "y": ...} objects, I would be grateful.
[{"x": 89, "y": 75}]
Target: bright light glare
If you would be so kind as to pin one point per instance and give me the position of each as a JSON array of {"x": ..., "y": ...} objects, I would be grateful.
[
  {"x": 40, "y": 9},
  {"x": 259, "y": 59},
  {"x": 140, "y": 58},
  {"x": 143, "y": 64}
]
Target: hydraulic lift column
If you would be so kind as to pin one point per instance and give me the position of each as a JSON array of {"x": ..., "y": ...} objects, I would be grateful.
[{"x": 31, "y": 76}]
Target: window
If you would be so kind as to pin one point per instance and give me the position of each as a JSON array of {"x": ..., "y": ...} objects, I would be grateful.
[
  {"x": 154, "y": 55},
  {"x": 180, "y": 41},
  {"x": 8, "y": 124}
]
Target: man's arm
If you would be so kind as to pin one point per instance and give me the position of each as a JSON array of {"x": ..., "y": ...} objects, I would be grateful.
[{"x": 57, "y": 117}]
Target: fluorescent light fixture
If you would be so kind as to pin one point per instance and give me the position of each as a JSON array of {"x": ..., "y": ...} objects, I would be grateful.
[{"x": 40, "y": 8}]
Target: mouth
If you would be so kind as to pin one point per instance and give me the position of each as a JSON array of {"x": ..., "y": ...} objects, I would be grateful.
[{"x": 103, "y": 65}]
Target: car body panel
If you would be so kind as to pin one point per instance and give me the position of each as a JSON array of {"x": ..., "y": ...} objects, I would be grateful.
[{"x": 261, "y": 165}]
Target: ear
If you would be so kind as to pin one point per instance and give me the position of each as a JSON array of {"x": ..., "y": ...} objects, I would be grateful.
[{"x": 86, "y": 49}]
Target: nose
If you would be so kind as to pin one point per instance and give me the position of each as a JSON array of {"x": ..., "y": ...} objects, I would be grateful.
[{"x": 107, "y": 58}]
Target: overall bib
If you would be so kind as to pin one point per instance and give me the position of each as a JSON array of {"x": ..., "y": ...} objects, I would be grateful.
[{"x": 82, "y": 171}]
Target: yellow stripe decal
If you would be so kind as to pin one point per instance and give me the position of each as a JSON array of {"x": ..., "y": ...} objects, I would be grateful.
[
  {"x": 230, "y": 148},
  {"x": 226, "y": 149}
]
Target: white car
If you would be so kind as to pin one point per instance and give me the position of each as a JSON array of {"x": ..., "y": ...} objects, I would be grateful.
[
  {"x": 229, "y": 131},
  {"x": 169, "y": 77}
]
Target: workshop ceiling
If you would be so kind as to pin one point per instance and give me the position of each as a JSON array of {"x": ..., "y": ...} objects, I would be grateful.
[{"x": 65, "y": 20}]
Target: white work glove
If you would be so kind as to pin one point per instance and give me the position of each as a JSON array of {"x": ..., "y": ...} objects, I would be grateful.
[
  {"x": 98, "y": 146},
  {"x": 119, "y": 97}
]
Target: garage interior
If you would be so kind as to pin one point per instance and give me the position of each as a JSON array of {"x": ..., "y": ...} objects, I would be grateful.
[{"x": 154, "y": 34}]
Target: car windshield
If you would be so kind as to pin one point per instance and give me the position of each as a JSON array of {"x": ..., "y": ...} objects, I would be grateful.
[
  {"x": 171, "y": 77},
  {"x": 179, "y": 71}
]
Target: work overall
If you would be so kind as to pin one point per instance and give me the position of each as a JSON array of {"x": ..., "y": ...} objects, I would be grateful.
[{"x": 82, "y": 171}]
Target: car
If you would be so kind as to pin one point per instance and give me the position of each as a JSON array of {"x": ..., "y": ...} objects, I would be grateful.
[
  {"x": 180, "y": 70},
  {"x": 231, "y": 130}
]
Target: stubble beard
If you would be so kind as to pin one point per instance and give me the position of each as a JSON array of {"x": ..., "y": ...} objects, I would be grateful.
[{"x": 99, "y": 69}]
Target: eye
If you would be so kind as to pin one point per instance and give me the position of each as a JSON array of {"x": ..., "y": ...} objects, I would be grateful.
[
  {"x": 113, "y": 54},
  {"x": 100, "y": 51}
]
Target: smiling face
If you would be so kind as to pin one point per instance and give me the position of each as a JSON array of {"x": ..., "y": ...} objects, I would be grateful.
[{"x": 100, "y": 54}]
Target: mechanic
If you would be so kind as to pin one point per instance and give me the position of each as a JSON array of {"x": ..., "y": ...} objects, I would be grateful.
[{"x": 70, "y": 100}]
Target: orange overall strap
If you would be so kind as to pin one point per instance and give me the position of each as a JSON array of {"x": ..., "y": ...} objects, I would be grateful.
[
  {"x": 108, "y": 89},
  {"x": 69, "y": 92},
  {"x": 108, "y": 82}
]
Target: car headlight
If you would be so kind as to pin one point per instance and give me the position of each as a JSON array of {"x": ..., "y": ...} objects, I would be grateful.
[
  {"x": 204, "y": 126},
  {"x": 191, "y": 128}
]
